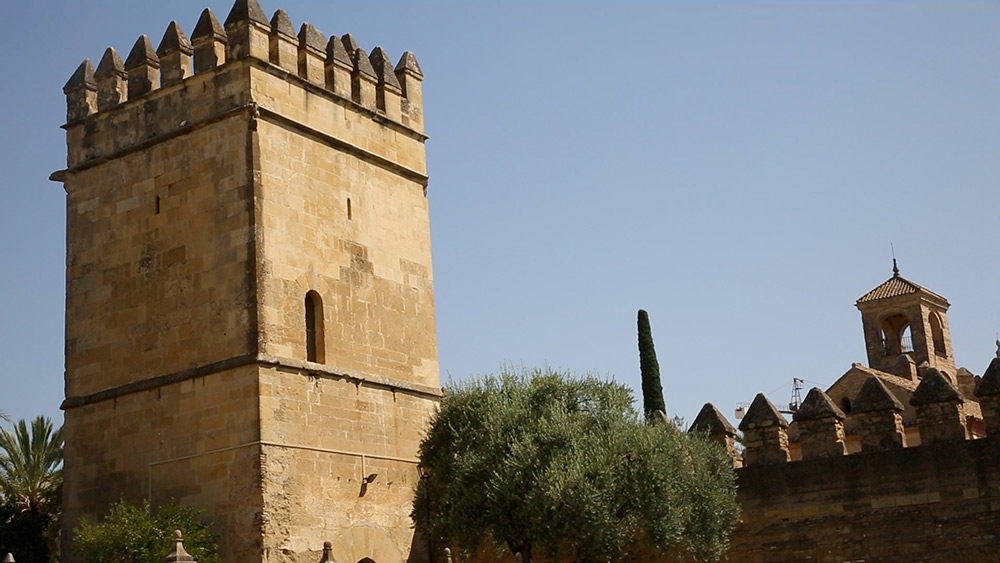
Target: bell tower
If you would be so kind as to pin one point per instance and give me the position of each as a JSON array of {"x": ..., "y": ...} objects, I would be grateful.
[
  {"x": 249, "y": 293},
  {"x": 906, "y": 325}
]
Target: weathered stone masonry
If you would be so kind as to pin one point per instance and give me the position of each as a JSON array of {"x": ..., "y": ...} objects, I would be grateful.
[{"x": 250, "y": 312}]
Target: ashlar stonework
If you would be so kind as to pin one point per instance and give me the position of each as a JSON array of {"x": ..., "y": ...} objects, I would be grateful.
[{"x": 250, "y": 310}]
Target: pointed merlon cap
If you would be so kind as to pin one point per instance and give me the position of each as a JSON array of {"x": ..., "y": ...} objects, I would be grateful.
[
  {"x": 178, "y": 553},
  {"x": 383, "y": 67},
  {"x": 816, "y": 406},
  {"x": 311, "y": 37},
  {"x": 362, "y": 65},
  {"x": 208, "y": 26},
  {"x": 712, "y": 421},
  {"x": 934, "y": 388},
  {"x": 990, "y": 383},
  {"x": 83, "y": 77},
  {"x": 174, "y": 40},
  {"x": 246, "y": 10},
  {"x": 281, "y": 23},
  {"x": 335, "y": 51},
  {"x": 350, "y": 45},
  {"x": 111, "y": 64},
  {"x": 875, "y": 396},
  {"x": 408, "y": 62},
  {"x": 142, "y": 54},
  {"x": 762, "y": 413}
]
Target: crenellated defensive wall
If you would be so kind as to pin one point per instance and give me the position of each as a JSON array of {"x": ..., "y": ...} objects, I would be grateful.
[{"x": 939, "y": 501}]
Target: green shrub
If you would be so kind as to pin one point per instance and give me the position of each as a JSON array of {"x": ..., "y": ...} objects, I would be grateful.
[{"x": 135, "y": 534}]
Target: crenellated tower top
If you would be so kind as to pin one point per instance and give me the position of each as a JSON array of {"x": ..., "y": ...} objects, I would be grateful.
[{"x": 387, "y": 91}]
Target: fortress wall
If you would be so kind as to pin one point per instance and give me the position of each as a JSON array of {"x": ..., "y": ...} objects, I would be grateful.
[{"x": 935, "y": 502}]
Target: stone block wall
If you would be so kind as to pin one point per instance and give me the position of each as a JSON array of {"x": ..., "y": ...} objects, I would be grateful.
[
  {"x": 935, "y": 502},
  {"x": 212, "y": 184}
]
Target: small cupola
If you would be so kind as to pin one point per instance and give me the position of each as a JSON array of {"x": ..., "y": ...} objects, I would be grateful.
[{"x": 905, "y": 326}]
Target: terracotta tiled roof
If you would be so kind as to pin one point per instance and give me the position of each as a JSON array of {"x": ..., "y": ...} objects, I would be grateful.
[{"x": 894, "y": 286}]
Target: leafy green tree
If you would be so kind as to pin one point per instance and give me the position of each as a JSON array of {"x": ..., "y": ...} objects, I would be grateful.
[
  {"x": 652, "y": 390},
  {"x": 545, "y": 464},
  {"x": 31, "y": 465},
  {"x": 24, "y": 534},
  {"x": 137, "y": 534}
]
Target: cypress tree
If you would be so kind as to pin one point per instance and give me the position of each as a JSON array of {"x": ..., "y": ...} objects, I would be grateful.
[{"x": 652, "y": 391}]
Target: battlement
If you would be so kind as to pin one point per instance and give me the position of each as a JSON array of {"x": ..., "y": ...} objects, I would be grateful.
[
  {"x": 133, "y": 92},
  {"x": 890, "y": 501},
  {"x": 942, "y": 415}
]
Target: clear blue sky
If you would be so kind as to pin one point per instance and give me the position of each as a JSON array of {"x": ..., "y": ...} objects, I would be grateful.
[{"x": 738, "y": 169}]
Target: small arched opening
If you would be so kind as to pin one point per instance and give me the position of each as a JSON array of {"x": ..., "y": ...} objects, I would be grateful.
[
  {"x": 314, "y": 327},
  {"x": 845, "y": 405},
  {"x": 896, "y": 337},
  {"x": 937, "y": 334},
  {"x": 366, "y": 560}
]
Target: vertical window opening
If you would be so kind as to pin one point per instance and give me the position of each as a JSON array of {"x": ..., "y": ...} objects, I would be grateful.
[
  {"x": 157, "y": 205},
  {"x": 314, "y": 327},
  {"x": 348, "y": 209}
]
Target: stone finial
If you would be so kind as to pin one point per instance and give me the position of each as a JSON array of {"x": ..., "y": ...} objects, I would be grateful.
[
  {"x": 281, "y": 23},
  {"x": 939, "y": 409},
  {"x": 246, "y": 11},
  {"x": 408, "y": 63},
  {"x": 174, "y": 53},
  {"x": 311, "y": 38},
  {"x": 765, "y": 433},
  {"x": 710, "y": 420},
  {"x": 338, "y": 67},
  {"x": 81, "y": 92},
  {"x": 762, "y": 413},
  {"x": 879, "y": 414},
  {"x": 817, "y": 406},
  {"x": 363, "y": 79},
  {"x": 112, "y": 88},
  {"x": 312, "y": 47},
  {"x": 719, "y": 430},
  {"x": 283, "y": 46},
  {"x": 247, "y": 32},
  {"x": 935, "y": 388},
  {"x": 143, "y": 68},
  {"x": 447, "y": 555},
  {"x": 388, "y": 92},
  {"x": 383, "y": 68},
  {"x": 327, "y": 553},
  {"x": 410, "y": 76},
  {"x": 875, "y": 396},
  {"x": 83, "y": 77},
  {"x": 350, "y": 45},
  {"x": 209, "y": 40},
  {"x": 178, "y": 553},
  {"x": 988, "y": 392},
  {"x": 821, "y": 426}
]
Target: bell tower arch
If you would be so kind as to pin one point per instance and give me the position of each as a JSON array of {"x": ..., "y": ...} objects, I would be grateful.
[{"x": 906, "y": 325}]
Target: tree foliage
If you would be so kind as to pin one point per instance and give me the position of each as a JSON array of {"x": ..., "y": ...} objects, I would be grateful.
[
  {"x": 652, "y": 390},
  {"x": 31, "y": 464},
  {"x": 24, "y": 534},
  {"x": 543, "y": 463},
  {"x": 137, "y": 534}
]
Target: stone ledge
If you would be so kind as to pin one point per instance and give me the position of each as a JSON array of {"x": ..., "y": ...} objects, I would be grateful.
[{"x": 263, "y": 360}]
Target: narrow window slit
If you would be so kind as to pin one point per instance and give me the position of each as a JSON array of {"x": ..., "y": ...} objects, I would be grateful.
[{"x": 348, "y": 209}]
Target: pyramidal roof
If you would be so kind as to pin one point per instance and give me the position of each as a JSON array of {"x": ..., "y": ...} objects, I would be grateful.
[{"x": 895, "y": 286}]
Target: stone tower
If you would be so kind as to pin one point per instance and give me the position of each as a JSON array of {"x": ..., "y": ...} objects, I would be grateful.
[
  {"x": 905, "y": 326},
  {"x": 249, "y": 311}
]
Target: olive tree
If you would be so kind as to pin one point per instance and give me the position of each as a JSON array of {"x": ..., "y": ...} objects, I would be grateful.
[{"x": 545, "y": 464}]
